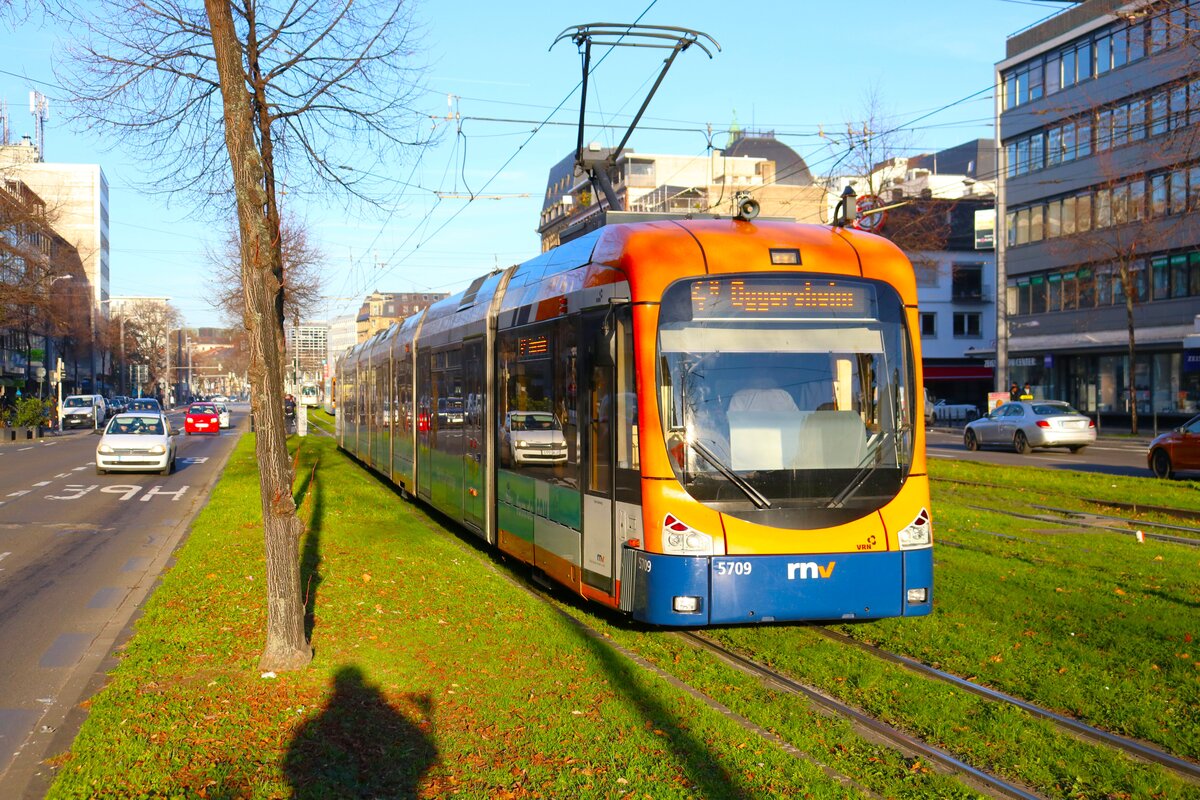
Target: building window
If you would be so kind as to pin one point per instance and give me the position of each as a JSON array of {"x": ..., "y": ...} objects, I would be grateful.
[
  {"x": 967, "y": 325},
  {"x": 926, "y": 272},
  {"x": 966, "y": 282},
  {"x": 928, "y": 325}
]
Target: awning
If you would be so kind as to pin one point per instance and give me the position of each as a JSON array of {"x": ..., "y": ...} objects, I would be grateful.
[{"x": 958, "y": 373}]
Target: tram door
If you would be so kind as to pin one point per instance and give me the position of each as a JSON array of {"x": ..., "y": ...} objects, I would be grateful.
[
  {"x": 609, "y": 410},
  {"x": 425, "y": 410},
  {"x": 472, "y": 433}
]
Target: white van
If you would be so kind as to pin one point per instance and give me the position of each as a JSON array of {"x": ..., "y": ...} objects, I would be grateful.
[{"x": 84, "y": 411}]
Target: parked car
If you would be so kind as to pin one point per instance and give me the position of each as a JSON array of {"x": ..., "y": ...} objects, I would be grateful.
[
  {"x": 144, "y": 404},
  {"x": 84, "y": 411},
  {"x": 1026, "y": 424},
  {"x": 1175, "y": 450},
  {"x": 532, "y": 437},
  {"x": 450, "y": 412},
  {"x": 201, "y": 418},
  {"x": 222, "y": 414},
  {"x": 138, "y": 441},
  {"x": 954, "y": 412}
]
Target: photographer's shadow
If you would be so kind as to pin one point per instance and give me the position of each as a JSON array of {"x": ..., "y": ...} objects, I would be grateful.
[{"x": 359, "y": 745}]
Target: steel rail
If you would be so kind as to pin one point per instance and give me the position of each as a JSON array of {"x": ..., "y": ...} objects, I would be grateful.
[
  {"x": 1132, "y": 747},
  {"x": 893, "y": 736},
  {"x": 1161, "y": 537},
  {"x": 1182, "y": 513}
]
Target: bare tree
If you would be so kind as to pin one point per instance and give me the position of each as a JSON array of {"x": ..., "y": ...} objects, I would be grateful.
[
  {"x": 302, "y": 262},
  {"x": 228, "y": 99},
  {"x": 148, "y": 324}
]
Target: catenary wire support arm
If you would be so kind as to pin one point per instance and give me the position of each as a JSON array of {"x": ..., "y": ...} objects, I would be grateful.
[{"x": 665, "y": 37}]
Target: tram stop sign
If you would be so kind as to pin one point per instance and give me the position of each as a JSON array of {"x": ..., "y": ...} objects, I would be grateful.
[{"x": 866, "y": 217}]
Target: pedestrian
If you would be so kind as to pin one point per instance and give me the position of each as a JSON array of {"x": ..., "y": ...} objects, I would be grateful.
[
  {"x": 1014, "y": 394},
  {"x": 1027, "y": 393}
]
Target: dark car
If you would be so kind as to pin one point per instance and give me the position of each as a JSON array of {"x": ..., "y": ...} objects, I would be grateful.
[
  {"x": 1175, "y": 450},
  {"x": 144, "y": 404}
]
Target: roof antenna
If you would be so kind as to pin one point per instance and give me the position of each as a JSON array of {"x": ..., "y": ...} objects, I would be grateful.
[{"x": 595, "y": 162}]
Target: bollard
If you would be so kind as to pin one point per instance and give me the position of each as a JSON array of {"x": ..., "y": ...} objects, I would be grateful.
[{"x": 252, "y": 422}]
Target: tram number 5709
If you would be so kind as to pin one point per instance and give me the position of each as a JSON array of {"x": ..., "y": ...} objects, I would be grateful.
[{"x": 732, "y": 567}]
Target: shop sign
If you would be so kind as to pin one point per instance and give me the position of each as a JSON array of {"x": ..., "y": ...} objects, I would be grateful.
[{"x": 1191, "y": 360}]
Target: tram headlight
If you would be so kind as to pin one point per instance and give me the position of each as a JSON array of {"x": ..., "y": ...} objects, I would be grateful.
[
  {"x": 683, "y": 604},
  {"x": 681, "y": 539},
  {"x": 917, "y": 534}
]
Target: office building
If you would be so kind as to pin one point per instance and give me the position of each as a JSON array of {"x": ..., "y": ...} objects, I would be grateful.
[{"x": 1099, "y": 218}]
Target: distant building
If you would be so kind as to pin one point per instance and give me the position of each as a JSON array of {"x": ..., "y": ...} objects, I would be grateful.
[
  {"x": 307, "y": 349},
  {"x": 381, "y": 309},
  {"x": 758, "y": 164},
  {"x": 1096, "y": 118},
  {"x": 343, "y": 334},
  {"x": 76, "y": 201},
  {"x": 36, "y": 267}
]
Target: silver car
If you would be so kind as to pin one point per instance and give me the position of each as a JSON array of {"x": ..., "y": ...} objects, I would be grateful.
[
  {"x": 138, "y": 441},
  {"x": 1026, "y": 424}
]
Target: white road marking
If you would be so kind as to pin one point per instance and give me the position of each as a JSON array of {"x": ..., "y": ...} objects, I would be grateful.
[
  {"x": 4, "y": 555},
  {"x": 78, "y": 468},
  {"x": 63, "y": 475},
  {"x": 18, "y": 494},
  {"x": 42, "y": 483},
  {"x": 23, "y": 449}
]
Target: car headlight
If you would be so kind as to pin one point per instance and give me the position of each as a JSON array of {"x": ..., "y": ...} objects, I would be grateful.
[
  {"x": 158, "y": 449},
  {"x": 105, "y": 449},
  {"x": 917, "y": 534},
  {"x": 521, "y": 443}
]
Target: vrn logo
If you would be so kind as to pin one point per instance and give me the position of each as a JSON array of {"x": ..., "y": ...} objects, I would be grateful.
[{"x": 809, "y": 569}]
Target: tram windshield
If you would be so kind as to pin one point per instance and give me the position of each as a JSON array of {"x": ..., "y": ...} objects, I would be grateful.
[{"x": 787, "y": 399}]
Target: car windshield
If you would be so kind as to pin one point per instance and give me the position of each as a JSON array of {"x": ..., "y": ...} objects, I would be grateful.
[
  {"x": 1053, "y": 409},
  {"x": 143, "y": 405},
  {"x": 204, "y": 408},
  {"x": 534, "y": 421},
  {"x": 77, "y": 402},
  {"x": 786, "y": 399},
  {"x": 144, "y": 426}
]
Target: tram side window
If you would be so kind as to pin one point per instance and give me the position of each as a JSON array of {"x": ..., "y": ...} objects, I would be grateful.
[
  {"x": 403, "y": 395},
  {"x": 537, "y": 425},
  {"x": 626, "y": 396}
]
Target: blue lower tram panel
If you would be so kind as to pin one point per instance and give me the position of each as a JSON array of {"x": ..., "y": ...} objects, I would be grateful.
[{"x": 746, "y": 589}]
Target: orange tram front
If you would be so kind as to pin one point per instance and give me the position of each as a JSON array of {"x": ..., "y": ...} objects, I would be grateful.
[{"x": 694, "y": 421}]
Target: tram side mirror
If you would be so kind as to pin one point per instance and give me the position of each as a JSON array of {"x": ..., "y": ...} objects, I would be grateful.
[{"x": 604, "y": 348}]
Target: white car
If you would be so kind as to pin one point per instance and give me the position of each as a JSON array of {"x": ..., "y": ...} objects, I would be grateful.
[
  {"x": 223, "y": 415},
  {"x": 533, "y": 437},
  {"x": 138, "y": 441},
  {"x": 954, "y": 412},
  {"x": 84, "y": 411}
]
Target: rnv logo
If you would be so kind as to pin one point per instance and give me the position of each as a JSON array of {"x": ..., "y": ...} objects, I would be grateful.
[{"x": 809, "y": 569}]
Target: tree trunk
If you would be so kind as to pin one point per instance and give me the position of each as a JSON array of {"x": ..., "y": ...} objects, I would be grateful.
[
  {"x": 286, "y": 645},
  {"x": 1133, "y": 409}
]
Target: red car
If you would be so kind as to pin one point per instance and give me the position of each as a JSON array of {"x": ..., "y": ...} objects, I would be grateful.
[
  {"x": 1176, "y": 450},
  {"x": 202, "y": 418}
]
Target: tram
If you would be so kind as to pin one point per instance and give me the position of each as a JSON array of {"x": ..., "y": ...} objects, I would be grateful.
[{"x": 697, "y": 422}]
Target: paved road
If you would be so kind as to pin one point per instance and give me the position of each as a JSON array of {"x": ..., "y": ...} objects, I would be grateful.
[
  {"x": 79, "y": 553},
  {"x": 1112, "y": 456}
]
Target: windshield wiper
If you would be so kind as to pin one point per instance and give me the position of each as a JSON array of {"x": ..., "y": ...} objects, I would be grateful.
[
  {"x": 754, "y": 495},
  {"x": 866, "y": 468}
]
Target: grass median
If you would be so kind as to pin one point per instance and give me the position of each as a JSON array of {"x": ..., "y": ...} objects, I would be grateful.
[{"x": 434, "y": 676}]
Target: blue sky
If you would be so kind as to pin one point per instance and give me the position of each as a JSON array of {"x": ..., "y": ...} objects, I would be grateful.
[{"x": 798, "y": 68}]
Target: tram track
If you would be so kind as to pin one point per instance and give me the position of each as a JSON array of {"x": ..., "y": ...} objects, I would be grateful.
[
  {"x": 1132, "y": 747},
  {"x": 870, "y": 728},
  {"x": 1151, "y": 529},
  {"x": 979, "y": 780}
]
